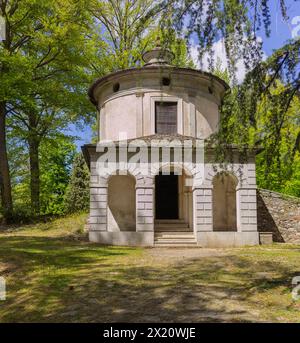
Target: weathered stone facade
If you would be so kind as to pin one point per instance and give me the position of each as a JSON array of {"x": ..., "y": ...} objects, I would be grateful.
[
  {"x": 279, "y": 214},
  {"x": 127, "y": 104}
]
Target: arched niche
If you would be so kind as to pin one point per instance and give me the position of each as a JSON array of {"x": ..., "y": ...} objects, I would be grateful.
[
  {"x": 121, "y": 203},
  {"x": 224, "y": 202}
]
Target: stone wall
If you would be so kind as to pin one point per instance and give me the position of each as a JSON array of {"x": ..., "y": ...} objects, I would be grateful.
[{"x": 279, "y": 214}]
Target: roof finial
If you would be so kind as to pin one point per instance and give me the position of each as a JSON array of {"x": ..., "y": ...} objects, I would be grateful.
[{"x": 158, "y": 55}]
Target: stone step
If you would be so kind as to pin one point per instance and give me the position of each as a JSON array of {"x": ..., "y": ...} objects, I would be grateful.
[
  {"x": 174, "y": 234},
  {"x": 172, "y": 229},
  {"x": 169, "y": 221},
  {"x": 174, "y": 238},
  {"x": 175, "y": 241},
  {"x": 174, "y": 224},
  {"x": 176, "y": 245},
  {"x": 169, "y": 226}
]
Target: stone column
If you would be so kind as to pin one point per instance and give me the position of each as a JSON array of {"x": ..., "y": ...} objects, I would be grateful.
[
  {"x": 144, "y": 208},
  {"x": 98, "y": 203},
  {"x": 202, "y": 205},
  {"x": 145, "y": 204},
  {"x": 98, "y": 209},
  {"x": 186, "y": 206},
  {"x": 246, "y": 209}
]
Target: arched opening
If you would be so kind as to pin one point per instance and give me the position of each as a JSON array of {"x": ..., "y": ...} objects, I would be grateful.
[
  {"x": 166, "y": 196},
  {"x": 173, "y": 197},
  {"x": 224, "y": 202},
  {"x": 121, "y": 203}
]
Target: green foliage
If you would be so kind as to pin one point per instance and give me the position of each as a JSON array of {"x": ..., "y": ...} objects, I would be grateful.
[
  {"x": 253, "y": 113},
  {"x": 56, "y": 156},
  {"x": 292, "y": 184},
  {"x": 45, "y": 71},
  {"x": 77, "y": 193},
  {"x": 272, "y": 132},
  {"x": 130, "y": 28},
  {"x": 126, "y": 27},
  {"x": 56, "y": 161},
  {"x": 237, "y": 22}
]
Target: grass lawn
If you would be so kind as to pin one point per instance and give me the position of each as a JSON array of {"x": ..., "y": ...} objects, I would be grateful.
[{"x": 53, "y": 274}]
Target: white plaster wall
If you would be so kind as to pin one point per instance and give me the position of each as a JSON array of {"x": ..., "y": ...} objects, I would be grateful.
[
  {"x": 134, "y": 114},
  {"x": 120, "y": 117},
  {"x": 131, "y": 109},
  {"x": 207, "y": 117}
]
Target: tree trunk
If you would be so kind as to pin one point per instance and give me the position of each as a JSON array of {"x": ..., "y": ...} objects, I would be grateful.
[
  {"x": 5, "y": 185},
  {"x": 34, "y": 175}
]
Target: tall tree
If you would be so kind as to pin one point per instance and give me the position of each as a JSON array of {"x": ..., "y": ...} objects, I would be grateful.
[
  {"x": 43, "y": 64},
  {"x": 126, "y": 25},
  {"x": 57, "y": 155},
  {"x": 77, "y": 194},
  {"x": 238, "y": 24},
  {"x": 55, "y": 159}
]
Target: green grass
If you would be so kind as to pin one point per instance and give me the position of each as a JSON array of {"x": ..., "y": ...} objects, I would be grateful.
[{"x": 53, "y": 274}]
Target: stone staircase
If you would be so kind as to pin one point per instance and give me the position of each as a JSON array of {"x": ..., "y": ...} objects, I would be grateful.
[{"x": 173, "y": 233}]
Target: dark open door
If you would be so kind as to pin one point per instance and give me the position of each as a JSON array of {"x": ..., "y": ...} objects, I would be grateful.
[{"x": 166, "y": 196}]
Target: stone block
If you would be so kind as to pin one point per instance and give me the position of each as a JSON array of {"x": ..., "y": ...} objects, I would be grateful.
[
  {"x": 244, "y": 206},
  {"x": 208, "y": 220},
  {"x": 98, "y": 220},
  {"x": 149, "y": 220},
  {"x": 148, "y": 205},
  {"x": 126, "y": 238},
  {"x": 140, "y": 205},
  {"x": 266, "y": 238},
  {"x": 96, "y": 212},
  {"x": 227, "y": 239},
  {"x": 208, "y": 206},
  {"x": 200, "y": 206},
  {"x": 98, "y": 227},
  {"x": 140, "y": 191},
  {"x": 94, "y": 179}
]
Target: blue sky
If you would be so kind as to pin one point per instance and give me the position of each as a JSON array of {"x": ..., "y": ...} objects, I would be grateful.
[{"x": 280, "y": 32}]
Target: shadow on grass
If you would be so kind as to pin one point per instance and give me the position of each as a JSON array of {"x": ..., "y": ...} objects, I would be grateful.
[
  {"x": 55, "y": 280},
  {"x": 42, "y": 252}
]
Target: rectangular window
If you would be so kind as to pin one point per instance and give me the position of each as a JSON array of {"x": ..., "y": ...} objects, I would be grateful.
[{"x": 165, "y": 117}]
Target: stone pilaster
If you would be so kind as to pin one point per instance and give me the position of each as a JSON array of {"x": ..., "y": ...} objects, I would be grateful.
[
  {"x": 246, "y": 209},
  {"x": 98, "y": 209},
  {"x": 144, "y": 208},
  {"x": 139, "y": 114},
  {"x": 202, "y": 204}
]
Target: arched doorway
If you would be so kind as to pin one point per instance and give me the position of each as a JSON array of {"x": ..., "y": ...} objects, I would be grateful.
[
  {"x": 173, "y": 196},
  {"x": 166, "y": 196},
  {"x": 224, "y": 202},
  {"x": 121, "y": 203}
]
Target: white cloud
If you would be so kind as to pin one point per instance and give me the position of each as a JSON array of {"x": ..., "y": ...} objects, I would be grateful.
[{"x": 220, "y": 55}]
